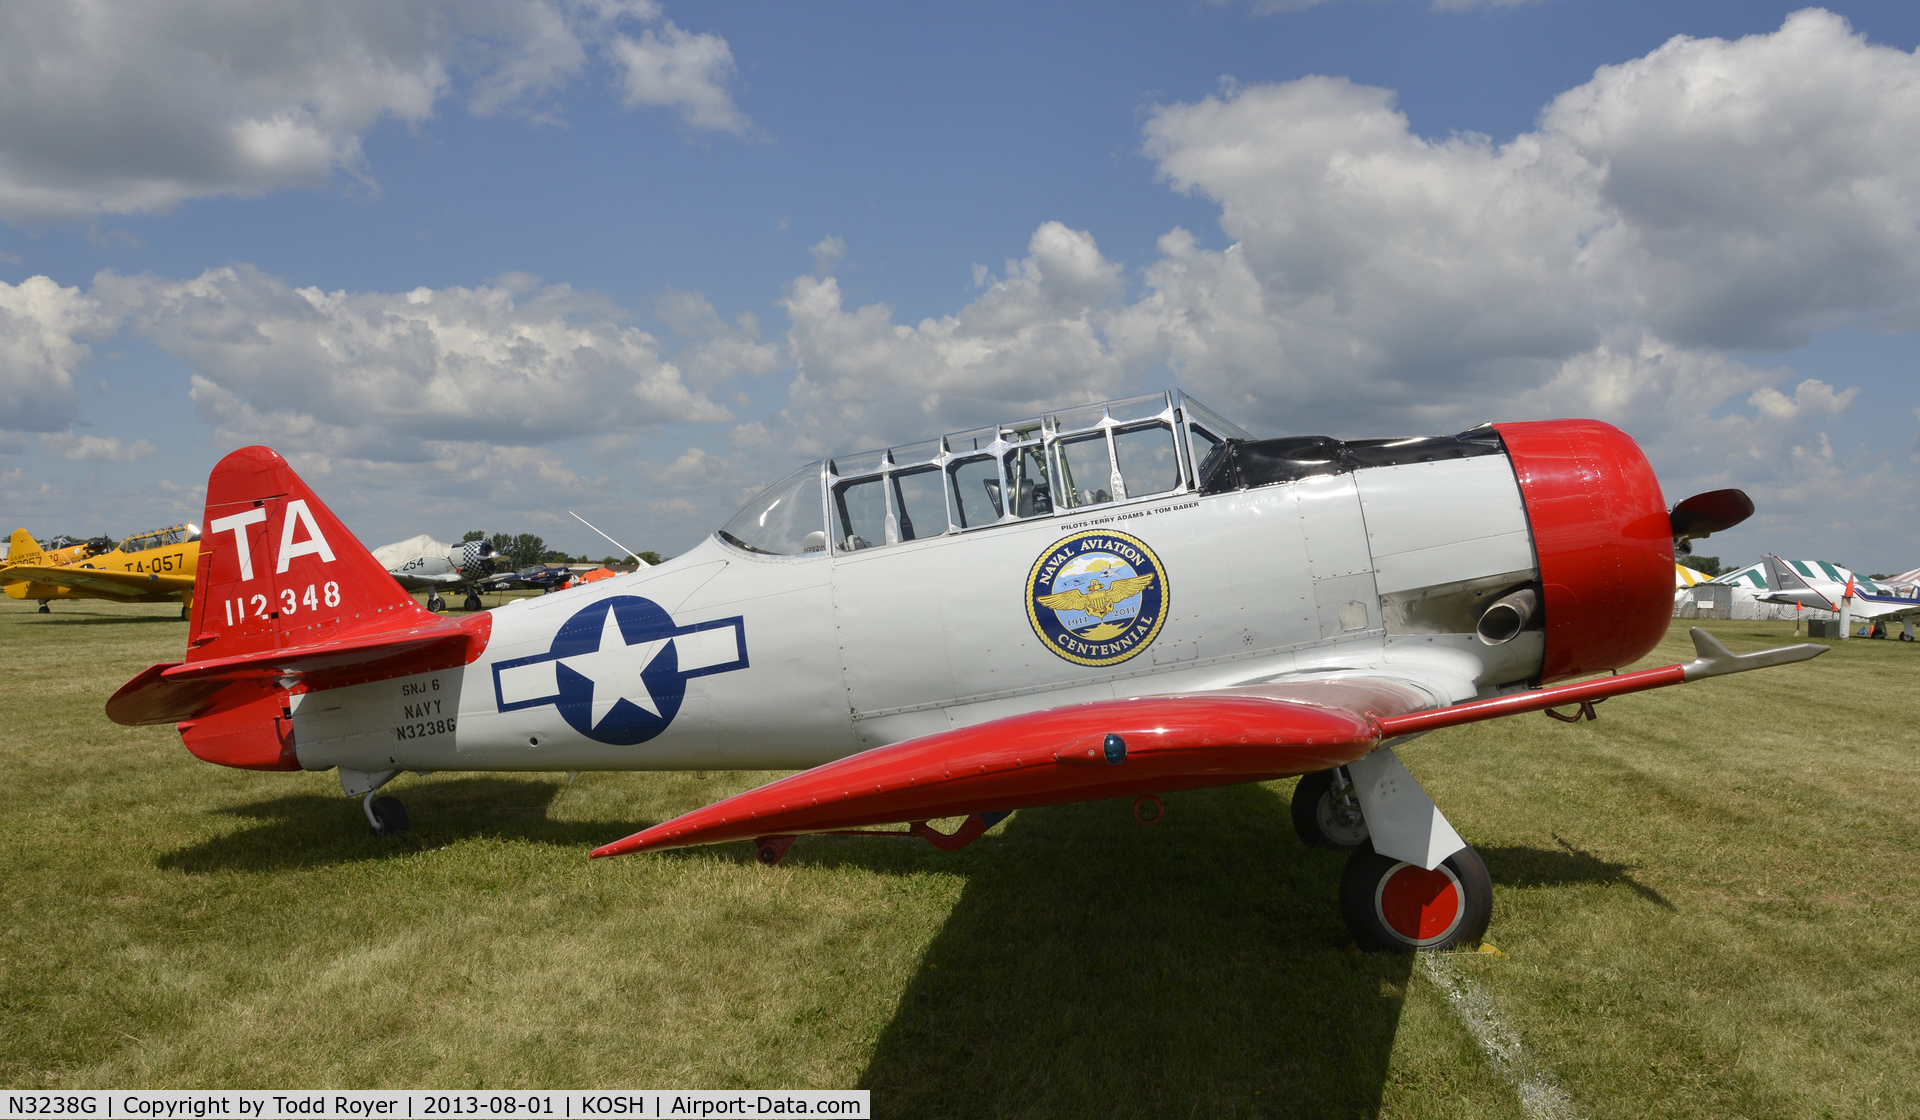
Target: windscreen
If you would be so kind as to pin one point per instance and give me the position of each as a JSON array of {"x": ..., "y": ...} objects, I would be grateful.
[{"x": 785, "y": 519}]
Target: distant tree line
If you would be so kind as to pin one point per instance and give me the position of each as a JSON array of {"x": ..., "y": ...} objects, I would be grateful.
[{"x": 523, "y": 550}]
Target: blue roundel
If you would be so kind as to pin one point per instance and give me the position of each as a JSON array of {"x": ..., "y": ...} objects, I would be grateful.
[{"x": 606, "y": 693}]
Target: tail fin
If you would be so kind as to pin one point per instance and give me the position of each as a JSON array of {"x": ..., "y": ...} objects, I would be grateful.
[
  {"x": 278, "y": 569},
  {"x": 24, "y": 549},
  {"x": 286, "y": 599}
]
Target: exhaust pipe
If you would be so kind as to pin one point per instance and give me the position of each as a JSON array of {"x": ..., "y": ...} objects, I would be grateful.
[{"x": 1502, "y": 622}]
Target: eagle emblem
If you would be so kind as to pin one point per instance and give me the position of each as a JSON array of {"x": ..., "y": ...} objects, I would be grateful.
[
  {"x": 1096, "y": 601},
  {"x": 1097, "y": 597}
]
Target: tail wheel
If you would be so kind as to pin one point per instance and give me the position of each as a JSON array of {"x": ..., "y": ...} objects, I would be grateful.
[
  {"x": 1326, "y": 812},
  {"x": 389, "y": 816},
  {"x": 1393, "y": 906}
]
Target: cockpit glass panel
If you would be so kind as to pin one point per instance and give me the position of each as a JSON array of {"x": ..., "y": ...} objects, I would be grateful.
[
  {"x": 1148, "y": 462},
  {"x": 860, "y": 514},
  {"x": 1029, "y": 487},
  {"x": 1207, "y": 449},
  {"x": 1086, "y": 472},
  {"x": 1138, "y": 408},
  {"x": 976, "y": 491},
  {"x": 921, "y": 505},
  {"x": 1221, "y": 427},
  {"x": 1074, "y": 419},
  {"x": 780, "y": 519},
  {"x": 866, "y": 462},
  {"x": 915, "y": 453},
  {"x": 977, "y": 440}
]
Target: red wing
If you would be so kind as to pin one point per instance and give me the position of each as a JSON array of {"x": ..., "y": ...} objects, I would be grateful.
[
  {"x": 1058, "y": 756},
  {"x": 1166, "y": 743}
]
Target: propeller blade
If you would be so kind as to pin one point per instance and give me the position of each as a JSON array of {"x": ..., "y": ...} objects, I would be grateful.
[{"x": 1708, "y": 513}]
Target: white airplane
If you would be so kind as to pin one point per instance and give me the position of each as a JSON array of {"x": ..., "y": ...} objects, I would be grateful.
[
  {"x": 1117, "y": 600},
  {"x": 1816, "y": 583},
  {"x": 424, "y": 564}
]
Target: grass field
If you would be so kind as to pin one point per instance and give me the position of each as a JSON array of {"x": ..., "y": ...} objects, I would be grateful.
[{"x": 1708, "y": 902}]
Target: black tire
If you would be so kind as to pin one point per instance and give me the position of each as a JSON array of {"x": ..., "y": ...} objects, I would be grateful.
[
  {"x": 1392, "y": 906},
  {"x": 44, "y": 609},
  {"x": 435, "y": 603},
  {"x": 1905, "y": 637},
  {"x": 392, "y": 817},
  {"x": 473, "y": 602},
  {"x": 1319, "y": 821},
  {"x": 183, "y": 614}
]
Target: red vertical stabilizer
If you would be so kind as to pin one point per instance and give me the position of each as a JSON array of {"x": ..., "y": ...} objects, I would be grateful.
[
  {"x": 286, "y": 599},
  {"x": 277, "y": 569}
]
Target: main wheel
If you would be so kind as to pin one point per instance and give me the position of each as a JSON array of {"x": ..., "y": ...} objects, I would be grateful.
[
  {"x": 473, "y": 602},
  {"x": 435, "y": 603},
  {"x": 391, "y": 815},
  {"x": 44, "y": 609},
  {"x": 1392, "y": 906},
  {"x": 1325, "y": 819},
  {"x": 1906, "y": 637}
]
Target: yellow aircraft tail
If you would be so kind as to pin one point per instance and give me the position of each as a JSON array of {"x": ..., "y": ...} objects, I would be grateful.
[{"x": 24, "y": 549}]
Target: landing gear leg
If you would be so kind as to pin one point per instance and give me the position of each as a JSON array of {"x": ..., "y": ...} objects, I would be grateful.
[
  {"x": 1393, "y": 906},
  {"x": 1326, "y": 811},
  {"x": 435, "y": 603},
  {"x": 1906, "y": 629},
  {"x": 387, "y": 816}
]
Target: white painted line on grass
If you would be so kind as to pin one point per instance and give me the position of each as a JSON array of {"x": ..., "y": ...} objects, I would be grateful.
[{"x": 1541, "y": 1096}]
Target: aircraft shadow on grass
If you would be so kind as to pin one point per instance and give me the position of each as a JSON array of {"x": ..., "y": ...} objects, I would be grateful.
[
  {"x": 1093, "y": 967},
  {"x": 1538, "y": 867},
  {"x": 309, "y": 830}
]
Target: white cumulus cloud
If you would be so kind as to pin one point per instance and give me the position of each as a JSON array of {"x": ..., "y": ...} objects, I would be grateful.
[
  {"x": 377, "y": 375},
  {"x": 81, "y": 447},
  {"x": 40, "y": 327},
  {"x": 124, "y": 106}
]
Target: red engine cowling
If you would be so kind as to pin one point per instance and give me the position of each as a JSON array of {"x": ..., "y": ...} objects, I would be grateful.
[{"x": 1603, "y": 540}]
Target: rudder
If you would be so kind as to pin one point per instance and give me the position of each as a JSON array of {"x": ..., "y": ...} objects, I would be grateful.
[{"x": 278, "y": 569}]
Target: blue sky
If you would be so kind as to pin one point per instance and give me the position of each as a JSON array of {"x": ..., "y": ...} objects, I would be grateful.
[{"x": 661, "y": 252}]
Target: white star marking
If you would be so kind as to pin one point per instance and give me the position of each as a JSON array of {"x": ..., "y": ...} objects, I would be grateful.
[{"x": 614, "y": 671}]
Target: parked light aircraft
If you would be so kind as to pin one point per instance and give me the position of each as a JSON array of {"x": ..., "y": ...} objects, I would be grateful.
[
  {"x": 424, "y": 564},
  {"x": 1116, "y": 600},
  {"x": 1829, "y": 587},
  {"x": 148, "y": 567}
]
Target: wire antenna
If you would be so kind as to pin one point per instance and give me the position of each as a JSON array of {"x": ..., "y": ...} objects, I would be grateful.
[{"x": 631, "y": 554}]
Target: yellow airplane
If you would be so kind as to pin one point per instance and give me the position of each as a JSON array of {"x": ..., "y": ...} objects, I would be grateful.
[{"x": 146, "y": 568}]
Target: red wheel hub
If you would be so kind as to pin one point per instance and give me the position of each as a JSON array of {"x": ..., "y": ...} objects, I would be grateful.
[{"x": 1421, "y": 907}]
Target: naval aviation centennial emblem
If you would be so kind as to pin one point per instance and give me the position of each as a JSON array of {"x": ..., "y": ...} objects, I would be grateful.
[{"x": 1097, "y": 597}]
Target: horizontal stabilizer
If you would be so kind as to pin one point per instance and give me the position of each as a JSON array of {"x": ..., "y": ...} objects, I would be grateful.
[{"x": 1085, "y": 752}]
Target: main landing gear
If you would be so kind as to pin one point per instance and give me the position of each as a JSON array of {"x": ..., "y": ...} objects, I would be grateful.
[
  {"x": 44, "y": 608},
  {"x": 472, "y": 602},
  {"x": 435, "y": 603},
  {"x": 1392, "y": 905},
  {"x": 1326, "y": 811}
]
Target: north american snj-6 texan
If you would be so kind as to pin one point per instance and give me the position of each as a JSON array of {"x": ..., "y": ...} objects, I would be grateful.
[{"x": 1110, "y": 601}]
